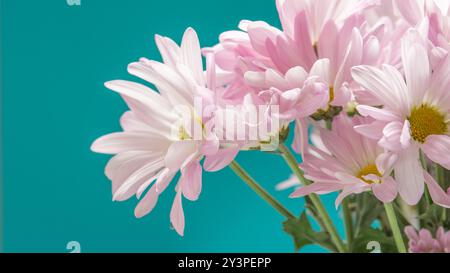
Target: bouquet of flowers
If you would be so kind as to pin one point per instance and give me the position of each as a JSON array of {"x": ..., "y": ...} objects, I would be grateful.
[{"x": 363, "y": 86}]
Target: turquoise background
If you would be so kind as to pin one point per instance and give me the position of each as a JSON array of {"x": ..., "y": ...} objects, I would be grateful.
[{"x": 55, "y": 59}]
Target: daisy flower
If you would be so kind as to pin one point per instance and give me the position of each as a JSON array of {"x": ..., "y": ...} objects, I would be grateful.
[
  {"x": 157, "y": 140},
  {"x": 343, "y": 160},
  {"x": 415, "y": 116},
  {"x": 423, "y": 241}
]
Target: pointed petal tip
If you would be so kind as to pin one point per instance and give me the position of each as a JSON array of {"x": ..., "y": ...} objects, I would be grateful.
[
  {"x": 190, "y": 31},
  {"x": 95, "y": 146}
]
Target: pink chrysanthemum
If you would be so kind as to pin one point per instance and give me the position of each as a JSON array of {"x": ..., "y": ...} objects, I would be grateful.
[
  {"x": 347, "y": 162},
  {"x": 423, "y": 241},
  {"x": 415, "y": 116}
]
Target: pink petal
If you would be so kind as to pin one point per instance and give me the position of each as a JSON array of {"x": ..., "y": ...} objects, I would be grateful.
[
  {"x": 177, "y": 214},
  {"x": 259, "y": 33},
  {"x": 410, "y": 10},
  {"x": 211, "y": 145},
  {"x": 127, "y": 141},
  {"x": 133, "y": 175},
  {"x": 437, "y": 148},
  {"x": 411, "y": 232},
  {"x": 164, "y": 179},
  {"x": 190, "y": 50},
  {"x": 405, "y": 137},
  {"x": 376, "y": 113},
  {"x": 177, "y": 154},
  {"x": 373, "y": 130},
  {"x": 438, "y": 195},
  {"x": 141, "y": 93},
  {"x": 386, "y": 191},
  {"x": 318, "y": 187},
  {"x": 147, "y": 203},
  {"x": 296, "y": 76},
  {"x": 300, "y": 136},
  {"x": 391, "y": 136},
  {"x": 303, "y": 40},
  {"x": 385, "y": 162},
  {"x": 321, "y": 69},
  {"x": 169, "y": 50},
  {"x": 353, "y": 57},
  {"x": 417, "y": 76},
  {"x": 409, "y": 176},
  {"x": 359, "y": 188},
  {"x": 223, "y": 158},
  {"x": 328, "y": 36},
  {"x": 387, "y": 85},
  {"x": 192, "y": 180}
]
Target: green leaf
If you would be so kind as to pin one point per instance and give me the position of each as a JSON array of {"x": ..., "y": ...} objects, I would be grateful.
[
  {"x": 368, "y": 209},
  {"x": 303, "y": 234},
  {"x": 434, "y": 217},
  {"x": 370, "y": 238}
]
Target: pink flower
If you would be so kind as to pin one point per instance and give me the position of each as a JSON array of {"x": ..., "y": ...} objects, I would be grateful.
[
  {"x": 414, "y": 118},
  {"x": 320, "y": 39},
  {"x": 347, "y": 162},
  {"x": 312, "y": 30},
  {"x": 156, "y": 143},
  {"x": 423, "y": 242},
  {"x": 431, "y": 16},
  {"x": 234, "y": 56},
  {"x": 297, "y": 93}
]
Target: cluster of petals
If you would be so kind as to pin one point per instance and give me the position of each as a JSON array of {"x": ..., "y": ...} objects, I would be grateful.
[
  {"x": 424, "y": 242},
  {"x": 376, "y": 71}
]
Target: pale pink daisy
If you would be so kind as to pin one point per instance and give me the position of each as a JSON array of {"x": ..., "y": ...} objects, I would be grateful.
[
  {"x": 347, "y": 162},
  {"x": 157, "y": 141},
  {"x": 415, "y": 116},
  {"x": 423, "y": 241}
]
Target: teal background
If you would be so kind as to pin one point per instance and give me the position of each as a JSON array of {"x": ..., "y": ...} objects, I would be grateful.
[{"x": 55, "y": 59}]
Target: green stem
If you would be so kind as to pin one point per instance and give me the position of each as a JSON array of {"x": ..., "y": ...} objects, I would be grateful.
[
  {"x": 259, "y": 190},
  {"x": 325, "y": 217},
  {"x": 423, "y": 160},
  {"x": 439, "y": 174},
  {"x": 392, "y": 218},
  {"x": 348, "y": 222}
]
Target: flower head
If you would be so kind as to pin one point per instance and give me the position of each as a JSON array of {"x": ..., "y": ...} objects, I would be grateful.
[
  {"x": 157, "y": 140},
  {"x": 414, "y": 118},
  {"x": 345, "y": 161}
]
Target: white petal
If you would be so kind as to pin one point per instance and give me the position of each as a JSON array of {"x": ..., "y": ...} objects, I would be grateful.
[
  {"x": 177, "y": 154},
  {"x": 410, "y": 175},
  {"x": 129, "y": 141},
  {"x": 417, "y": 71},
  {"x": 147, "y": 203}
]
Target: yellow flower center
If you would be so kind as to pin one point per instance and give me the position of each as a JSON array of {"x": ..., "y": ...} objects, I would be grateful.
[
  {"x": 183, "y": 134},
  {"x": 331, "y": 94},
  {"x": 425, "y": 121},
  {"x": 369, "y": 169}
]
